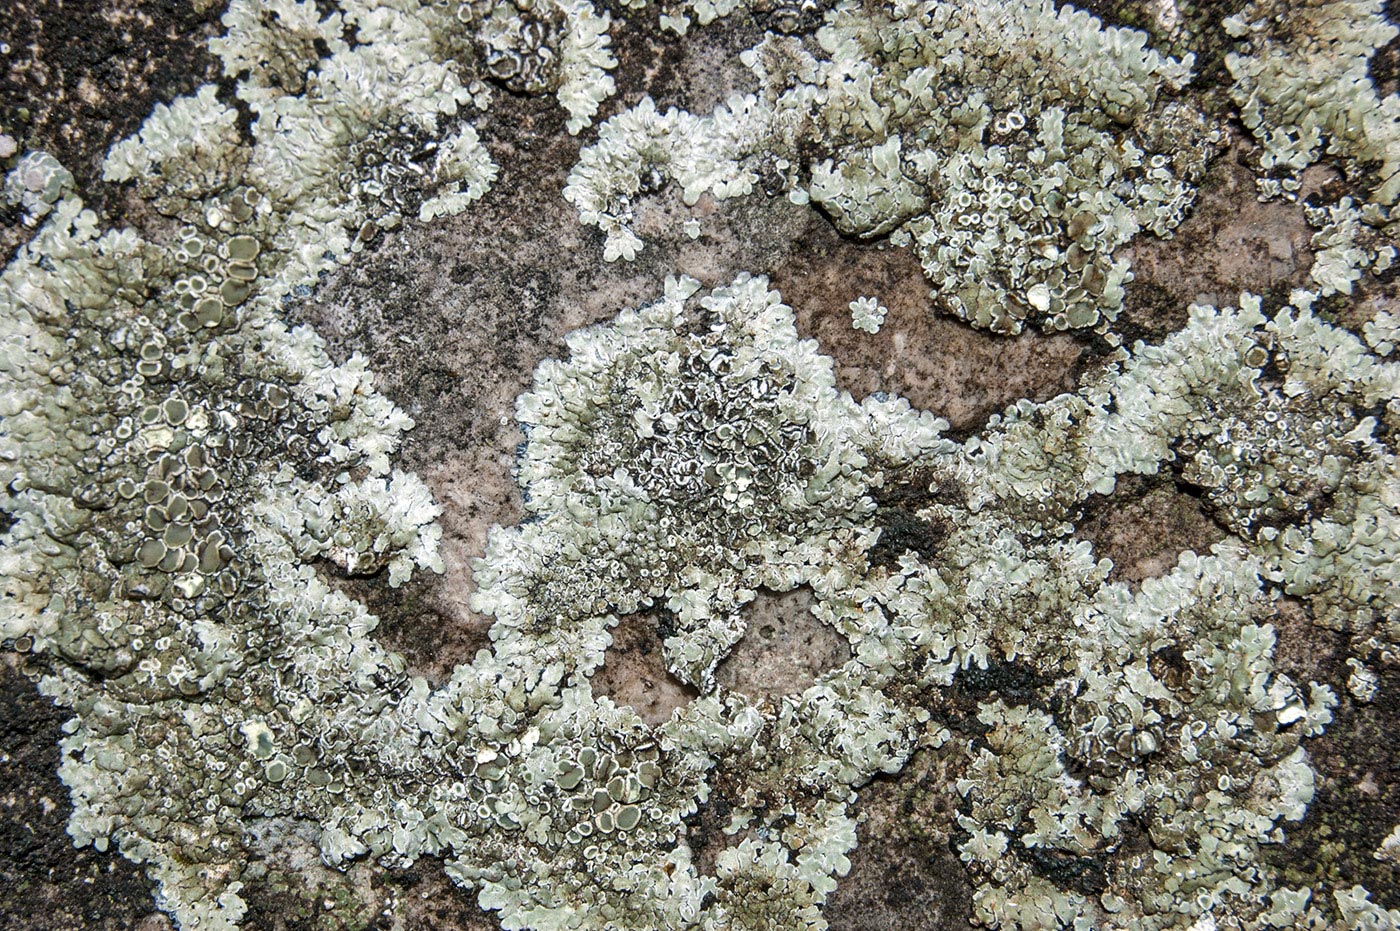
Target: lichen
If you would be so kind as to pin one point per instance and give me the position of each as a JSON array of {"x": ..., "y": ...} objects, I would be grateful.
[
  {"x": 1301, "y": 81},
  {"x": 1015, "y": 146},
  {"x": 1350, "y": 241},
  {"x": 868, "y": 314},
  {"x": 185, "y": 478},
  {"x": 35, "y": 184}
]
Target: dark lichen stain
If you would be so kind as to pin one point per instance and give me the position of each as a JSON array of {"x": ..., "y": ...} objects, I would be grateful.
[
  {"x": 1150, "y": 312},
  {"x": 280, "y": 906},
  {"x": 652, "y": 61},
  {"x": 704, "y": 831},
  {"x": 901, "y": 532},
  {"x": 413, "y": 621},
  {"x": 46, "y": 884},
  {"x": 463, "y": 315},
  {"x": 1011, "y": 682},
  {"x": 81, "y": 74},
  {"x": 902, "y": 529},
  {"x": 1087, "y": 876},
  {"x": 427, "y": 900},
  {"x": 1384, "y": 67},
  {"x": 1356, "y": 800},
  {"x": 905, "y": 875}
]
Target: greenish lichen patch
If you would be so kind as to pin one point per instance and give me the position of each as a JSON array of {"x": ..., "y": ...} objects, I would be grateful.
[
  {"x": 203, "y": 506},
  {"x": 1014, "y": 147},
  {"x": 1301, "y": 81}
]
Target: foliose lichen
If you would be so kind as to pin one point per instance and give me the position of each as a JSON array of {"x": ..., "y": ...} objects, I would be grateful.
[
  {"x": 35, "y": 184},
  {"x": 185, "y": 476},
  {"x": 1014, "y": 146},
  {"x": 1350, "y": 241},
  {"x": 1302, "y": 84},
  {"x": 868, "y": 314}
]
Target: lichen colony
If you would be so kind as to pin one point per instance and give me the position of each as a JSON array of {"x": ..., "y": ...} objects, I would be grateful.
[{"x": 180, "y": 470}]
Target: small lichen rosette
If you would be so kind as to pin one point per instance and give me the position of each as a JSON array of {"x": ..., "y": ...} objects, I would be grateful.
[{"x": 35, "y": 184}]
